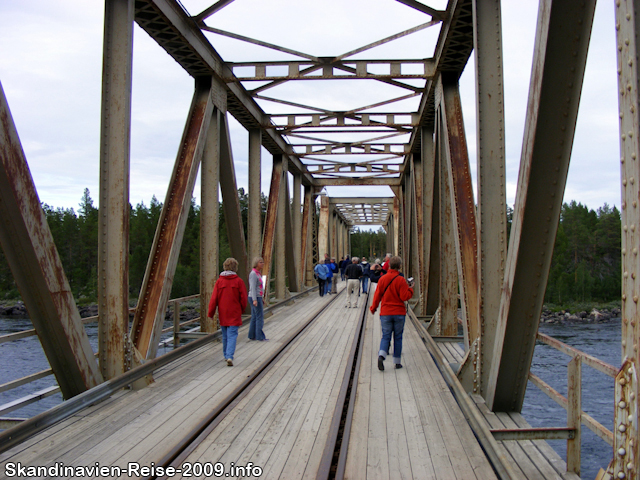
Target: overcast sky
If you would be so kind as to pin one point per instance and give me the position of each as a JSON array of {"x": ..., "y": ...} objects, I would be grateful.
[{"x": 51, "y": 63}]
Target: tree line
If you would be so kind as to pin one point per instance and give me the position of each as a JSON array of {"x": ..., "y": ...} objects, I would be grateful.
[{"x": 586, "y": 264}]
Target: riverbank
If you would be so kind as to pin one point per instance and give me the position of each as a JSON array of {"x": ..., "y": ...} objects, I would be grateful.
[
  {"x": 188, "y": 311},
  {"x": 594, "y": 315}
]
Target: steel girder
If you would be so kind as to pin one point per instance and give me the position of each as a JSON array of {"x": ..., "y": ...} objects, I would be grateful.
[
  {"x": 210, "y": 219},
  {"x": 158, "y": 278},
  {"x": 113, "y": 228},
  {"x": 626, "y": 439},
  {"x": 37, "y": 269},
  {"x": 231, "y": 204},
  {"x": 268, "y": 237},
  {"x": 562, "y": 41},
  {"x": 492, "y": 208}
]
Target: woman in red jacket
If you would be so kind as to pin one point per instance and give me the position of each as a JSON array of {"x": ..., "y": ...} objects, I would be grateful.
[
  {"x": 230, "y": 298},
  {"x": 392, "y": 290}
]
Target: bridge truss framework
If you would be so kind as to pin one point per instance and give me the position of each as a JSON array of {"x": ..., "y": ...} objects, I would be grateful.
[{"x": 452, "y": 244}]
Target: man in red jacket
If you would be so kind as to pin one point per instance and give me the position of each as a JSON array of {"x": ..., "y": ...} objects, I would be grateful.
[
  {"x": 392, "y": 290},
  {"x": 230, "y": 298}
]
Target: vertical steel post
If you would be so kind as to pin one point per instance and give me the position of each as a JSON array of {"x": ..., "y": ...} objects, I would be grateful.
[
  {"x": 323, "y": 231},
  {"x": 448, "y": 264},
  {"x": 283, "y": 200},
  {"x": 306, "y": 252},
  {"x": 296, "y": 220},
  {"x": 492, "y": 205},
  {"x": 113, "y": 228},
  {"x": 209, "y": 220},
  {"x": 628, "y": 43},
  {"x": 254, "y": 227},
  {"x": 424, "y": 200}
]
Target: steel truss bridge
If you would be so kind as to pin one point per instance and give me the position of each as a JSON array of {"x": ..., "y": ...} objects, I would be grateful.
[{"x": 413, "y": 140}]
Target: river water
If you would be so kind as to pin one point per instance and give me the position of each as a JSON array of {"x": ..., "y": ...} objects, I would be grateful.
[{"x": 25, "y": 357}]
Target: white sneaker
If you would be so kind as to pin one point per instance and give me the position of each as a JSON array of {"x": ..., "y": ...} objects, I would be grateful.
[{"x": 229, "y": 362}]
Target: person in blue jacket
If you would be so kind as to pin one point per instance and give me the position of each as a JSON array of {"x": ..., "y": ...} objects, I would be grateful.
[{"x": 320, "y": 273}]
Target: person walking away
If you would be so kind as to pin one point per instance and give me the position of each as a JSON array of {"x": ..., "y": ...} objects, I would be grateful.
[
  {"x": 364, "y": 280},
  {"x": 333, "y": 266},
  {"x": 375, "y": 272},
  {"x": 230, "y": 298},
  {"x": 353, "y": 273},
  {"x": 320, "y": 272},
  {"x": 256, "y": 294},
  {"x": 343, "y": 265},
  {"x": 392, "y": 291},
  {"x": 329, "y": 281}
]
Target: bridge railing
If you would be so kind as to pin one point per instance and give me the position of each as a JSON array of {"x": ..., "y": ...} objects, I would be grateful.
[
  {"x": 174, "y": 306},
  {"x": 572, "y": 403}
]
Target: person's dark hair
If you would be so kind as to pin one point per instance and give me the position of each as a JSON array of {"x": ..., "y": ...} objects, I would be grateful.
[{"x": 395, "y": 263}]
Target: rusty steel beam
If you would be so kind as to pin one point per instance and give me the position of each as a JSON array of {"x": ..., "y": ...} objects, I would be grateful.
[
  {"x": 355, "y": 181},
  {"x": 431, "y": 168},
  {"x": 254, "y": 227},
  {"x": 289, "y": 256},
  {"x": 305, "y": 236},
  {"x": 281, "y": 234},
  {"x": 448, "y": 301},
  {"x": 323, "y": 228},
  {"x": 210, "y": 219},
  {"x": 231, "y": 203},
  {"x": 421, "y": 7},
  {"x": 463, "y": 212},
  {"x": 492, "y": 205},
  {"x": 163, "y": 259},
  {"x": 268, "y": 237},
  {"x": 562, "y": 41},
  {"x": 296, "y": 219},
  {"x": 37, "y": 269},
  {"x": 114, "y": 208}
]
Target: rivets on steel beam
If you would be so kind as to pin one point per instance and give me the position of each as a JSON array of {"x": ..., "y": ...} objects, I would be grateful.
[
  {"x": 622, "y": 405},
  {"x": 633, "y": 155},
  {"x": 624, "y": 251},
  {"x": 630, "y": 134},
  {"x": 635, "y": 299},
  {"x": 624, "y": 182},
  {"x": 624, "y": 137},
  {"x": 628, "y": 16},
  {"x": 622, "y": 452}
]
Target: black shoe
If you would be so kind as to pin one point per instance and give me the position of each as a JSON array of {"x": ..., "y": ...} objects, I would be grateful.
[
  {"x": 381, "y": 363},
  {"x": 398, "y": 365}
]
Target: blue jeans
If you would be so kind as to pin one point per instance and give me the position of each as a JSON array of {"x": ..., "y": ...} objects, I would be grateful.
[
  {"x": 365, "y": 283},
  {"x": 229, "y": 337},
  {"x": 391, "y": 324},
  {"x": 257, "y": 321},
  {"x": 327, "y": 285}
]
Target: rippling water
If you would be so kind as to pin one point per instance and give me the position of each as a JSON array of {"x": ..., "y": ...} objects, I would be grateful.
[
  {"x": 25, "y": 357},
  {"x": 600, "y": 340}
]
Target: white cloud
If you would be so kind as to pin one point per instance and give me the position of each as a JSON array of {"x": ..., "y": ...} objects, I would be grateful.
[{"x": 51, "y": 63}]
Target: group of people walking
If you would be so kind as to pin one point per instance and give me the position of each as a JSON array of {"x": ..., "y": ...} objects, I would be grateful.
[
  {"x": 390, "y": 295},
  {"x": 230, "y": 298}
]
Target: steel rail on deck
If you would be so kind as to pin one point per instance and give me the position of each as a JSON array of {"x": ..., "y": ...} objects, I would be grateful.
[
  {"x": 36, "y": 424},
  {"x": 185, "y": 446}
]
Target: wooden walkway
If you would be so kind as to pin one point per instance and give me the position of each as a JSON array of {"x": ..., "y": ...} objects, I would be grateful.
[{"x": 406, "y": 423}]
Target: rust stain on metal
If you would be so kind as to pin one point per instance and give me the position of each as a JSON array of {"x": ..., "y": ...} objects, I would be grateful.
[
  {"x": 166, "y": 233},
  {"x": 270, "y": 220}
]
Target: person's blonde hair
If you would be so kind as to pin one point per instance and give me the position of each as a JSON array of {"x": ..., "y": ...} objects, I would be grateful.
[
  {"x": 256, "y": 260},
  {"x": 230, "y": 264}
]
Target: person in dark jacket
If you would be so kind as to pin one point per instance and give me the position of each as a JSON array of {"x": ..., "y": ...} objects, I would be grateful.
[
  {"x": 353, "y": 273},
  {"x": 229, "y": 297}
]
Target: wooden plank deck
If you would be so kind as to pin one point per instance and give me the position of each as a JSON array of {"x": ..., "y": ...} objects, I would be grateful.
[
  {"x": 406, "y": 423},
  {"x": 142, "y": 425}
]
